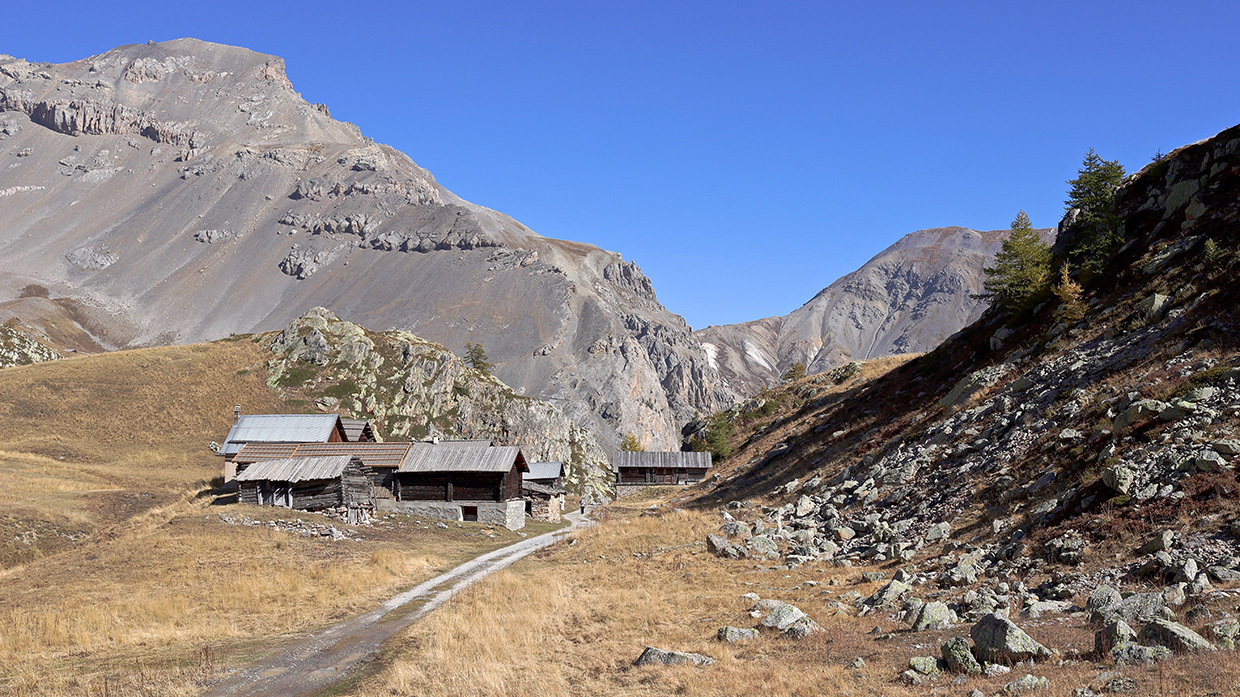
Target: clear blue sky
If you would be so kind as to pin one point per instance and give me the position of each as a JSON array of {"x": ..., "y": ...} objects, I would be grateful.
[{"x": 744, "y": 154}]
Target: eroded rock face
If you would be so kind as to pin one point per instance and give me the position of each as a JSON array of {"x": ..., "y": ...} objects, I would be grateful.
[
  {"x": 416, "y": 389},
  {"x": 907, "y": 299},
  {"x": 211, "y": 199}
]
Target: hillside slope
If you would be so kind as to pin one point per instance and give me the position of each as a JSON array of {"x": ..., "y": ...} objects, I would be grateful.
[
  {"x": 1060, "y": 454},
  {"x": 183, "y": 191},
  {"x": 907, "y": 299}
]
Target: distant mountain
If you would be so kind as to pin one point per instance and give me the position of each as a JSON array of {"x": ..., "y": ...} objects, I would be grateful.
[
  {"x": 907, "y": 299},
  {"x": 183, "y": 191}
]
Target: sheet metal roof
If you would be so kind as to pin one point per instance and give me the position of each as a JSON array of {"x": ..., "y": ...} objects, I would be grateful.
[
  {"x": 296, "y": 469},
  {"x": 279, "y": 428},
  {"x": 462, "y": 456},
  {"x": 545, "y": 470},
  {"x": 674, "y": 459},
  {"x": 371, "y": 454}
]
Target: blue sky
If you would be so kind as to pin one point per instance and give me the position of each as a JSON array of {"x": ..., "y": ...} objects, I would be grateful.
[{"x": 745, "y": 155}]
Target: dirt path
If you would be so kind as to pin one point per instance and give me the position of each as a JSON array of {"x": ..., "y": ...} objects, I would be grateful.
[{"x": 312, "y": 664}]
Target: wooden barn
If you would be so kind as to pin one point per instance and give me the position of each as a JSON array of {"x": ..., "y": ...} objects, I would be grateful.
[
  {"x": 469, "y": 480},
  {"x": 543, "y": 488},
  {"x": 309, "y": 483},
  {"x": 289, "y": 429},
  {"x": 636, "y": 470},
  {"x": 380, "y": 459}
]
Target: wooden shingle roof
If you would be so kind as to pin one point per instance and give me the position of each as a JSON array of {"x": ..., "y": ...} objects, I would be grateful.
[
  {"x": 296, "y": 469},
  {"x": 673, "y": 460},
  {"x": 462, "y": 456},
  {"x": 371, "y": 454}
]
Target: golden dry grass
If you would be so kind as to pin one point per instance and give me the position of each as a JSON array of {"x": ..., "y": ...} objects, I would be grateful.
[
  {"x": 572, "y": 621},
  {"x": 117, "y": 576}
]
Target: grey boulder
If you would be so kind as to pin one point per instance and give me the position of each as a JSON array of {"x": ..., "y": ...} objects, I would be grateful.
[{"x": 999, "y": 640}]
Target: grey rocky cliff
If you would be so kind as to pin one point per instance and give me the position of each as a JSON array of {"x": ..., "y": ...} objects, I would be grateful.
[
  {"x": 19, "y": 346},
  {"x": 907, "y": 299},
  {"x": 184, "y": 191},
  {"x": 415, "y": 389}
]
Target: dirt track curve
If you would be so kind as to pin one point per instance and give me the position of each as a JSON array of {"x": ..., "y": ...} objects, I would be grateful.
[{"x": 315, "y": 663}]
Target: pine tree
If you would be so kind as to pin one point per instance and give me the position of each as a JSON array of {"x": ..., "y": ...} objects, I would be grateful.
[
  {"x": 477, "y": 359},
  {"x": 1097, "y": 226},
  {"x": 796, "y": 372},
  {"x": 630, "y": 444},
  {"x": 1021, "y": 270}
]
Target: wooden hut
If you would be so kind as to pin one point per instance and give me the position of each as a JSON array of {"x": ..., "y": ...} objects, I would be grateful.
[
  {"x": 380, "y": 459},
  {"x": 461, "y": 480},
  {"x": 308, "y": 483},
  {"x": 278, "y": 428},
  {"x": 636, "y": 470},
  {"x": 543, "y": 488}
]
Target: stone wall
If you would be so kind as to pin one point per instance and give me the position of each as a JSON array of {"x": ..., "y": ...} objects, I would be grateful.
[
  {"x": 547, "y": 510},
  {"x": 510, "y": 514}
]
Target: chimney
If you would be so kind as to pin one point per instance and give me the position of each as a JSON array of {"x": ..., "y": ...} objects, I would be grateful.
[
  {"x": 435, "y": 440},
  {"x": 236, "y": 413}
]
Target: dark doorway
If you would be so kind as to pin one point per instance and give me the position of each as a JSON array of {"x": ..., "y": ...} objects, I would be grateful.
[{"x": 469, "y": 514}]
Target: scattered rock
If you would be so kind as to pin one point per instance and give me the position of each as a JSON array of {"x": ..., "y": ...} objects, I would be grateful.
[
  {"x": 1026, "y": 683},
  {"x": 653, "y": 656},
  {"x": 735, "y": 634},
  {"x": 958, "y": 657},
  {"x": 1174, "y": 636}
]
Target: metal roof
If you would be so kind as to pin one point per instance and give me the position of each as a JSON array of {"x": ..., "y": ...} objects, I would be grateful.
[
  {"x": 354, "y": 429},
  {"x": 279, "y": 428},
  {"x": 296, "y": 469},
  {"x": 462, "y": 456},
  {"x": 545, "y": 470},
  {"x": 371, "y": 454},
  {"x": 674, "y": 459}
]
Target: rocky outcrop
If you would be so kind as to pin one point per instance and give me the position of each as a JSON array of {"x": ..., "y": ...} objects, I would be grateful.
[
  {"x": 211, "y": 199},
  {"x": 18, "y": 346},
  {"x": 907, "y": 299},
  {"x": 417, "y": 389}
]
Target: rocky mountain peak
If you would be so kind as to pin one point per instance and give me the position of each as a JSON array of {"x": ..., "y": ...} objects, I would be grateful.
[{"x": 183, "y": 191}]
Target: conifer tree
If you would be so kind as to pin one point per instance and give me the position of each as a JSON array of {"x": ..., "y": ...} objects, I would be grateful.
[
  {"x": 796, "y": 372},
  {"x": 1021, "y": 270},
  {"x": 477, "y": 359},
  {"x": 1097, "y": 226},
  {"x": 630, "y": 444}
]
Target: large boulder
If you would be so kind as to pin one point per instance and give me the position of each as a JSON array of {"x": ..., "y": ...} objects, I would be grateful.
[
  {"x": 1135, "y": 609},
  {"x": 720, "y": 547},
  {"x": 1174, "y": 636},
  {"x": 1112, "y": 635},
  {"x": 1133, "y": 654},
  {"x": 959, "y": 657},
  {"x": 652, "y": 656},
  {"x": 889, "y": 594},
  {"x": 932, "y": 615},
  {"x": 998, "y": 640}
]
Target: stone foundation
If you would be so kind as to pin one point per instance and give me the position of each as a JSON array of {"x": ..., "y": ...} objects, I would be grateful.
[
  {"x": 509, "y": 514},
  {"x": 547, "y": 510}
]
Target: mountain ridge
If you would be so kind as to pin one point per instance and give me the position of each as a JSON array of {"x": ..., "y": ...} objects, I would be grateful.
[
  {"x": 908, "y": 298},
  {"x": 183, "y": 191}
]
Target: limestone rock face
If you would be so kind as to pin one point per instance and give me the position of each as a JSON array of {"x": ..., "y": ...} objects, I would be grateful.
[
  {"x": 414, "y": 389},
  {"x": 907, "y": 299},
  {"x": 211, "y": 199}
]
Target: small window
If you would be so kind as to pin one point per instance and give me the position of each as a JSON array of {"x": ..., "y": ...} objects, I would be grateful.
[{"x": 469, "y": 514}]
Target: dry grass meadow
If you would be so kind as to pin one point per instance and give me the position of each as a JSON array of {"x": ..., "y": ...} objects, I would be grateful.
[
  {"x": 572, "y": 620},
  {"x": 117, "y": 575}
]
